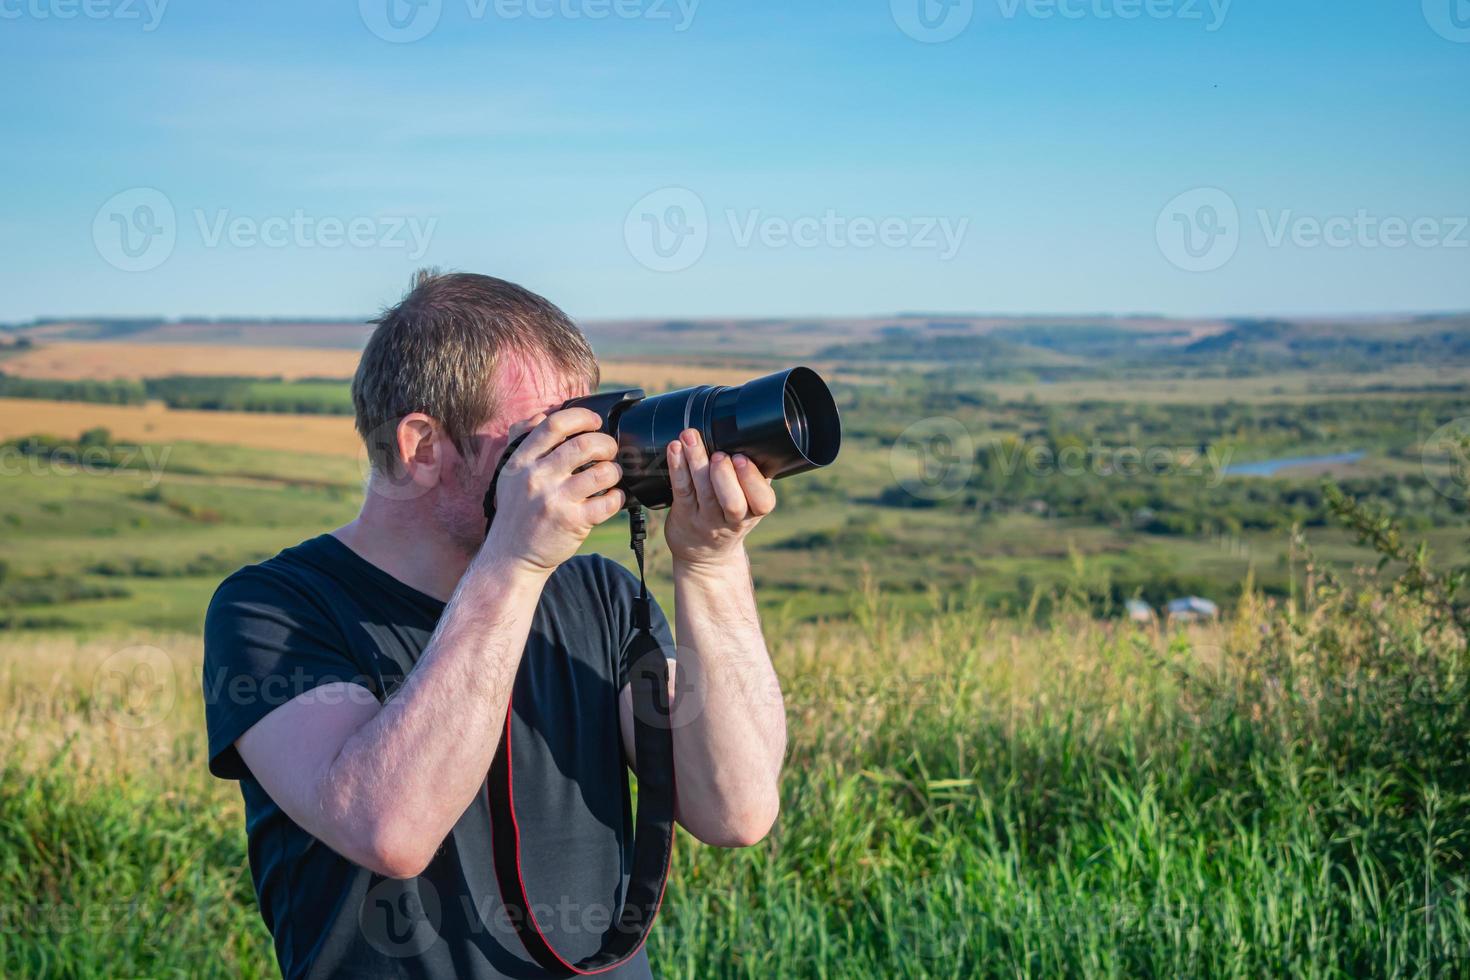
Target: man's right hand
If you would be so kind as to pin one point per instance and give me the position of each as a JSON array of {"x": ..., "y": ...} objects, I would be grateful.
[{"x": 545, "y": 502}]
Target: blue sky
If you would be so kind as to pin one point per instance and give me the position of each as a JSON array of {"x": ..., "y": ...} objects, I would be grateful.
[{"x": 679, "y": 158}]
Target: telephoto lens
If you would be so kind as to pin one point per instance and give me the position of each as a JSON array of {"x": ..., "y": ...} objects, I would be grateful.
[{"x": 785, "y": 423}]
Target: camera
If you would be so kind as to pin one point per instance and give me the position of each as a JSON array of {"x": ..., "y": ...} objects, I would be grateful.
[{"x": 786, "y": 423}]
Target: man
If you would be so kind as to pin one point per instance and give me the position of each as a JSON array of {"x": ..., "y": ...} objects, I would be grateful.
[{"x": 357, "y": 684}]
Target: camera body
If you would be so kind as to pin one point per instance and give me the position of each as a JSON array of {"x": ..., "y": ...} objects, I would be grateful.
[{"x": 786, "y": 423}]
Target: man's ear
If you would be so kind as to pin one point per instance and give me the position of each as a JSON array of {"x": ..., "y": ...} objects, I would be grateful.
[{"x": 421, "y": 444}]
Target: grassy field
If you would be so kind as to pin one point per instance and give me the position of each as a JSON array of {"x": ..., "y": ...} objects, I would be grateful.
[
  {"x": 1285, "y": 793},
  {"x": 142, "y": 544},
  {"x": 114, "y": 548},
  {"x": 1295, "y": 386}
]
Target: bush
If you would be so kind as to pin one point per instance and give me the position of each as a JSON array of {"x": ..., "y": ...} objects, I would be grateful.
[
  {"x": 102, "y": 392},
  {"x": 55, "y": 591}
]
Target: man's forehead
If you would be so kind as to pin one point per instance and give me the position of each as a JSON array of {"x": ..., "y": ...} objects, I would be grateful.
[{"x": 525, "y": 384}]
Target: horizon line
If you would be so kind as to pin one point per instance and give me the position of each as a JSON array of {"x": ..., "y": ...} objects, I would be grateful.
[{"x": 49, "y": 320}]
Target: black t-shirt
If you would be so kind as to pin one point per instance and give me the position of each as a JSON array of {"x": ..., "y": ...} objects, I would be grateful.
[{"x": 319, "y": 613}]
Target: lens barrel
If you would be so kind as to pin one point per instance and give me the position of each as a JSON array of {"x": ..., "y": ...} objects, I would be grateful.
[{"x": 786, "y": 423}]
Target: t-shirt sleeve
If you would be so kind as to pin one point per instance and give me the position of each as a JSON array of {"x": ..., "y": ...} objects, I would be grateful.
[{"x": 265, "y": 643}]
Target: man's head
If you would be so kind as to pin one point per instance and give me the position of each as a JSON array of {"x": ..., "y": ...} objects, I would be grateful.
[{"x": 446, "y": 374}]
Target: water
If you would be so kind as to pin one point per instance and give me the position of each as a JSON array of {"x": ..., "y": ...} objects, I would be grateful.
[{"x": 1270, "y": 467}]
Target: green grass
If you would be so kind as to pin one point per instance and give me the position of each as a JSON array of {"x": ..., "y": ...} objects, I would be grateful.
[
  {"x": 166, "y": 538},
  {"x": 150, "y": 885},
  {"x": 1283, "y": 794}
]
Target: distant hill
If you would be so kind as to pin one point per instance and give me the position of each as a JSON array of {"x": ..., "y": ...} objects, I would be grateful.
[
  {"x": 909, "y": 336},
  {"x": 1342, "y": 345},
  {"x": 1043, "y": 347},
  {"x": 906, "y": 344}
]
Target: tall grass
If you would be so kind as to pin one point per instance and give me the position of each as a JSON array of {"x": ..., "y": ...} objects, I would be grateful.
[
  {"x": 1285, "y": 793},
  {"x": 119, "y": 856}
]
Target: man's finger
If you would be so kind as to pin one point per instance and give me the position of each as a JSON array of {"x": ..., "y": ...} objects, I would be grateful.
[
  {"x": 726, "y": 485},
  {"x": 558, "y": 427},
  {"x": 597, "y": 510},
  {"x": 594, "y": 479},
  {"x": 698, "y": 462},
  {"x": 517, "y": 430},
  {"x": 524, "y": 426},
  {"x": 759, "y": 494},
  {"x": 580, "y": 450},
  {"x": 679, "y": 476}
]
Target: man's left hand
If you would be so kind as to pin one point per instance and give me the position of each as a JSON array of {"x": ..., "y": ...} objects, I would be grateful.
[{"x": 717, "y": 500}]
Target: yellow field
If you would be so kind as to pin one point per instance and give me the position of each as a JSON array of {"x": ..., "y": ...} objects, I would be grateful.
[
  {"x": 108, "y": 360},
  {"x": 657, "y": 376},
  {"x": 102, "y": 361},
  {"x": 328, "y": 434}
]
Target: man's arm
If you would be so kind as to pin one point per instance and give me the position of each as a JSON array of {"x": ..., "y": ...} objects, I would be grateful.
[
  {"x": 384, "y": 784},
  {"x": 728, "y": 754}
]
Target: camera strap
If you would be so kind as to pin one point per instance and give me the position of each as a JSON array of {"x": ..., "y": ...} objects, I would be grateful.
[{"x": 653, "y": 836}]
